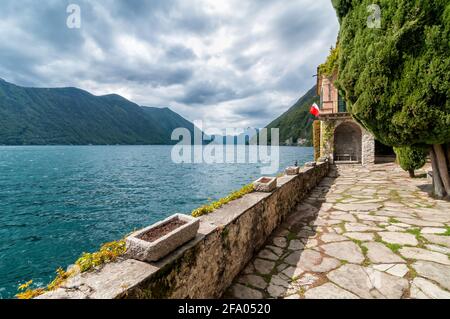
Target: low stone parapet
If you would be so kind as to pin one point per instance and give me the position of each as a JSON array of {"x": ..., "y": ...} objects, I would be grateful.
[{"x": 206, "y": 266}]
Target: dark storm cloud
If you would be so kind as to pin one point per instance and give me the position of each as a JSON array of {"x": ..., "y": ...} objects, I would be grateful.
[
  {"x": 207, "y": 93},
  {"x": 255, "y": 113},
  {"x": 230, "y": 63},
  {"x": 161, "y": 77},
  {"x": 179, "y": 53}
]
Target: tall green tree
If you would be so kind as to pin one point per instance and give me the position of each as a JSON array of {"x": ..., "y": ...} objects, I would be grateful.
[
  {"x": 396, "y": 78},
  {"x": 411, "y": 158}
]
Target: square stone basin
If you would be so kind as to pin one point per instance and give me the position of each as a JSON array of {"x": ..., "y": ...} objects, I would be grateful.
[
  {"x": 292, "y": 170},
  {"x": 310, "y": 164},
  {"x": 265, "y": 184},
  {"x": 158, "y": 240}
]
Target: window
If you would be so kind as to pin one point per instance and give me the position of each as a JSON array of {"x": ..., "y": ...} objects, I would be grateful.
[{"x": 342, "y": 105}]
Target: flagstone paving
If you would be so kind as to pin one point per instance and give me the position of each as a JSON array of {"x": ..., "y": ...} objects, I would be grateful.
[{"x": 364, "y": 232}]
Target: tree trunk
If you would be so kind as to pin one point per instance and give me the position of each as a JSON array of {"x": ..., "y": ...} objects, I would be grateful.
[
  {"x": 440, "y": 171},
  {"x": 412, "y": 174},
  {"x": 441, "y": 158},
  {"x": 447, "y": 148}
]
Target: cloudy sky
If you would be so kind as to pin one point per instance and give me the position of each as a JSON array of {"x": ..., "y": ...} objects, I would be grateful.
[{"x": 230, "y": 63}]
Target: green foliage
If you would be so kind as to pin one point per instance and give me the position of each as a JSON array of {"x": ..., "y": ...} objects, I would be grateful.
[
  {"x": 328, "y": 131},
  {"x": 209, "y": 208},
  {"x": 316, "y": 139},
  {"x": 397, "y": 78},
  {"x": 411, "y": 157},
  {"x": 342, "y": 7},
  {"x": 330, "y": 67},
  {"x": 69, "y": 116},
  {"x": 296, "y": 122},
  {"x": 108, "y": 252}
]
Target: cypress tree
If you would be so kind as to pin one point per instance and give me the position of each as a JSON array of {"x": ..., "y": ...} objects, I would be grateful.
[
  {"x": 396, "y": 78},
  {"x": 411, "y": 158}
]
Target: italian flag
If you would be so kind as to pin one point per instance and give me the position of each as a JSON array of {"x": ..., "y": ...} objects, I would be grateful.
[{"x": 315, "y": 110}]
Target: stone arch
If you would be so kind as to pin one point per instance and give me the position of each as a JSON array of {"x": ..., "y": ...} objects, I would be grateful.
[{"x": 348, "y": 142}]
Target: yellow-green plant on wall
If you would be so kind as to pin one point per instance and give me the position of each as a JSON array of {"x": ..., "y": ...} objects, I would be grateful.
[
  {"x": 27, "y": 293},
  {"x": 327, "y": 138},
  {"x": 209, "y": 208},
  {"x": 108, "y": 252}
]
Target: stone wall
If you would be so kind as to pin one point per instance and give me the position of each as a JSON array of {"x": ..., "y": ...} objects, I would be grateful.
[
  {"x": 206, "y": 266},
  {"x": 328, "y": 134},
  {"x": 368, "y": 148}
]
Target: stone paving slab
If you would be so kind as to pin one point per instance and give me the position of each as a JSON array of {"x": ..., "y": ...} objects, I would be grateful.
[{"x": 364, "y": 232}]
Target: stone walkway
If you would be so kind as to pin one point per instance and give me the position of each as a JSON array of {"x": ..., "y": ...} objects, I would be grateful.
[{"x": 363, "y": 233}]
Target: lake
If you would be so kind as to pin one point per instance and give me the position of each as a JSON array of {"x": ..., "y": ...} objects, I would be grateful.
[{"x": 60, "y": 201}]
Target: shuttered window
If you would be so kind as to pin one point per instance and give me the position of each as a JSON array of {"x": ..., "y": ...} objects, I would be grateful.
[{"x": 342, "y": 106}]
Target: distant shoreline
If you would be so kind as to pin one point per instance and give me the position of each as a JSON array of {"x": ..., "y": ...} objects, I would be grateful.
[{"x": 77, "y": 145}]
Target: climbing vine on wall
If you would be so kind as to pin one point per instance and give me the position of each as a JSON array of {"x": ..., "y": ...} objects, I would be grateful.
[
  {"x": 316, "y": 138},
  {"x": 328, "y": 132}
]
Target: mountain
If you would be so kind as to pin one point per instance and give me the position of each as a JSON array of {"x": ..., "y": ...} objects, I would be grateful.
[
  {"x": 296, "y": 123},
  {"x": 168, "y": 119},
  {"x": 70, "y": 116}
]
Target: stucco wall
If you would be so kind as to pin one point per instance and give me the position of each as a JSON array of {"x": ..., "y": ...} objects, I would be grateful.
[{"x": 206, "y": 266}]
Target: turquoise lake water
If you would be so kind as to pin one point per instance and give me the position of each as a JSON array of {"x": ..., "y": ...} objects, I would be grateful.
[{"x": 57, "y": 202}]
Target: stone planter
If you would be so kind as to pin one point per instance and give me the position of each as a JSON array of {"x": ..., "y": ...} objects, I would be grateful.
[
  {"x": 157, "y": 241},
  {"x": 292, "y": 170},
  {"x": 311, "y": 164},
  {"x": 265, "y": 184}
]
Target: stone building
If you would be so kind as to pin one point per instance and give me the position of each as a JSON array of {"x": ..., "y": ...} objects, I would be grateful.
[{"x": 342, "y": 139}]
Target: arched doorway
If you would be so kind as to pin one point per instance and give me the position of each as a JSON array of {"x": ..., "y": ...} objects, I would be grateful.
[{"x": 347, "y": 143}]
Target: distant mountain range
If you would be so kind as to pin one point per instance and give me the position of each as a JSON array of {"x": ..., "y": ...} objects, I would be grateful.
[
  {"x": 296, "y": 123},
  {"x": 70, "y": 116},
  {"x": 240, "y": 139}
]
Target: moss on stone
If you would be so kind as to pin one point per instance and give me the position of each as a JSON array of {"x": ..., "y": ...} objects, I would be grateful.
[
  {"x": 447, "y": 231},
  {"x": 394, "y": 247},
  {"x": 291, "y": 236},
  {"x": 392, "y": 220}
]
